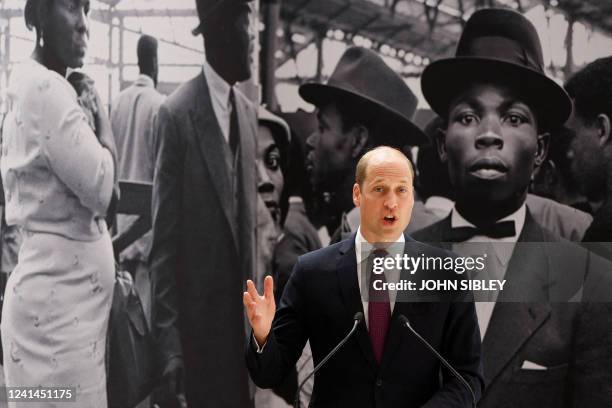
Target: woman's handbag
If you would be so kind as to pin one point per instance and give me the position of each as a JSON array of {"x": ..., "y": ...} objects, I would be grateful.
[{"x": 129, "y": 351}]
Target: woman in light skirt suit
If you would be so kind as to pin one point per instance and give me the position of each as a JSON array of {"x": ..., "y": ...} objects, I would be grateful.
[{"x": 58, "y": 180}]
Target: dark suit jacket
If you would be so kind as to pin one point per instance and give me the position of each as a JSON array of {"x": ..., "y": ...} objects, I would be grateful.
[
  {"x": 203, "y": 244},
  {"x": 319, "y": 303},
  {"x": 573, "y": 340}
]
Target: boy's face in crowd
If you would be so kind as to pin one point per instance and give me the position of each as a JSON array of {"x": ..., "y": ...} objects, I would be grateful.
[
  {"x": 491, "y": 145},
  {"x": 270, "y": 179}
]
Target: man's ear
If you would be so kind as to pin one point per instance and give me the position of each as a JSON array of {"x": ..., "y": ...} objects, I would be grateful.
[
  {"x": 360, "y": 141},
  {"x": 603, "y": 129},
  {"x": 356, "y": 195},
  {"x": 543, "y": 142},
  {"x": 440, "y": 141}
]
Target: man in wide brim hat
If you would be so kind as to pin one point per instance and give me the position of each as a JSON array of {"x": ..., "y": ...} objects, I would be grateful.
[
  {"x": 364, "y": 104},
  {"x": 501, "y": 45},
  {"x": 362, "y": 76},
  {"x": 541, "y": 348}
]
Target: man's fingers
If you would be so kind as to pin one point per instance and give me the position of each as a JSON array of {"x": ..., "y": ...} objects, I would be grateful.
[
  {"x": 268, "y": 287},
  {"x": 246, "y": 299},
  {"x": 252, "y": 291}
]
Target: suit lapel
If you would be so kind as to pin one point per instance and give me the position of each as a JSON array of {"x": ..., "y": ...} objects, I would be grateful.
[
  {"x": 349, "y": 285},
  {"x": 211, "y": 140},
  {"x": 512, "y": 323},
  {"x": 247, "y": 184}
]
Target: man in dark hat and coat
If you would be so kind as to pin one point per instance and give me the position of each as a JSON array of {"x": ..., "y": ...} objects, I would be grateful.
[
  {"x": 204, "y": 202},
  {"x": 544, "y": 343},
  {"x": 364, "y": 104}
]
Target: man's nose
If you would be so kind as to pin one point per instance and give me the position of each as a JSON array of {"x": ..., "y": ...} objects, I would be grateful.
[
  {"x": 82, "y": 22},
  {"x": 391, "y": 202},
  {"x": 490, "y": 134},
  {"x": 264, "y": 184}
]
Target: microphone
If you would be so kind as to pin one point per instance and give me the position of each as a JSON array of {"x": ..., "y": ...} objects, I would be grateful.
[
  {"x": 356, "y": 320},
  {"x": 405, "y": 322}
]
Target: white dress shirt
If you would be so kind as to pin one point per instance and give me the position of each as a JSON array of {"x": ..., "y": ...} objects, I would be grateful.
[
  {"x": 220, "y": 97},
  {"x": 362, "y": 251},
  {"x": 503, "y": 253}
]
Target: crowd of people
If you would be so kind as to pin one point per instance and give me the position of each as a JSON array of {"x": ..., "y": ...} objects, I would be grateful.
[{"x": 240, "y": 193}]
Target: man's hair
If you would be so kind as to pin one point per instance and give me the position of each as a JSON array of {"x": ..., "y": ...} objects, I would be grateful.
[
  {"x": 591, "y": 90},
  {"x": 147, "y": 54},
  {"x": 362, "y": 164}
]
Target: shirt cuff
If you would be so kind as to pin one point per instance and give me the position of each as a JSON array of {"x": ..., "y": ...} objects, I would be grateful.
[{"x": 258, "y": 349}]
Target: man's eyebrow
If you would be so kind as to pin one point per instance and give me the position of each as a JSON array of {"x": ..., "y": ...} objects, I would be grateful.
[{"x": 514, "y": 102}]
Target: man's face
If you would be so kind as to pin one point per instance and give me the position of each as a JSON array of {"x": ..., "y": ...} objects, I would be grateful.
[
  {"x": 329, "y": 150},
  {"x": 227, "y": 31},
  {"x": 491, "y": 145},
  {"x": 588, "y": 161},
  {"x": 270, "y": 180},
  {"x": 385, "y": 197},
  {"x": 66, "y": 31}
]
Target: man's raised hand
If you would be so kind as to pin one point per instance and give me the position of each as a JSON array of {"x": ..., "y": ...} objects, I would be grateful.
[{"x": 260, "y": 309}]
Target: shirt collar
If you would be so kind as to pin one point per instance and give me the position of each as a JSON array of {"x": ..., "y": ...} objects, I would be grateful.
[
  {"x": 145, "y": 80},
  {"x": 440, "y": 202},
  {"x": 220, "y": 90},
  {"x": 518, "y": 217},
  {"x": 362, "y": 243}
]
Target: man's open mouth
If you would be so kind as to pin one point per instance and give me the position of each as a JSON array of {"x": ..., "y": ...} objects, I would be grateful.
[{"x": 389, "y": 219}]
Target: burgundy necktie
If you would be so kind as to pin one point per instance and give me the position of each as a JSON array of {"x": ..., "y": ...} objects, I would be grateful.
[{"x": 379, "y": 308}]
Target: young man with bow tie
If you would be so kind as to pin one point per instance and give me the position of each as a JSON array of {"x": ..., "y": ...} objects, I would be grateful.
[{"x": 498, "y": 106}]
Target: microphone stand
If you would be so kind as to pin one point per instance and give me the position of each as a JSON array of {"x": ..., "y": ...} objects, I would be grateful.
[
  {"x": 357, "y": 319},
  {"x": 405, "y": 322}
]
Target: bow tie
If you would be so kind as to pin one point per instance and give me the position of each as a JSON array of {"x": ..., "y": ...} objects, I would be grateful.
[{"x": 502, "y": 229}]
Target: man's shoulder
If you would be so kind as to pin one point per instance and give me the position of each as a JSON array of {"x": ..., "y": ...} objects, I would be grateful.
[
  {"x": 562, "y": 219},
  {"x": 184, "y": 96},
  {"x": 323, "y": 255}
]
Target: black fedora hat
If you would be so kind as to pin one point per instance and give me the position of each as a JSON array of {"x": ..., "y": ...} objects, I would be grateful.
[
  {"x": 207, "y": 7},
  {"x": 500, "y": 45},
  {"x": 362, "y": 75}
]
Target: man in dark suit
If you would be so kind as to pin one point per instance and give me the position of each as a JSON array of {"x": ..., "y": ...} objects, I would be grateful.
[
  {"x": 549, "y": 350},
  {"x": 383, "y": 365},
  {"x": 204, "y": 199}
]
